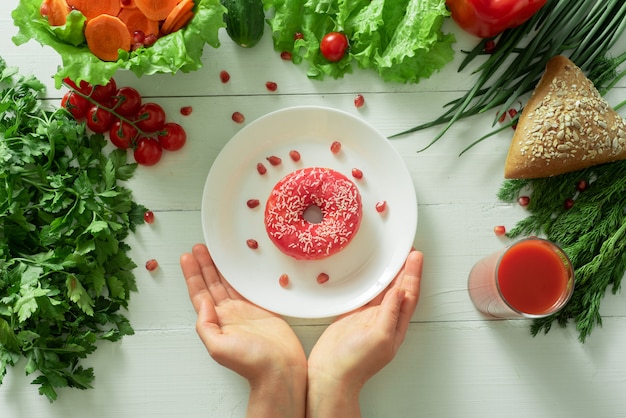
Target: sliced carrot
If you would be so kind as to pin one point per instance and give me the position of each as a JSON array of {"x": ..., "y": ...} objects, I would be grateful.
[
  {"x": 106, "y": 35},
  {"x": 175, "y": 17},
  {"x": 156, "y": 9},
  {"x": 128, "y": 4},
  {"x": 56, "y": 11},
  {"x": 93, "y": 8},
  {"x": 138, "y": 22},
  {"x": 182, "y": 21}
]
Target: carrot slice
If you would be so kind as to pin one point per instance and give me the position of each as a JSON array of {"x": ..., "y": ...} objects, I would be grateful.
[
  {"x": 56, "y": 11},
  {"x": 156, "y": 9},
  {"x": 138, "y": 22},
  {"x": 182, "y": 21},
  {"x": 106, "y": 35},
  {"x": 181, "y": 10},
  {"x": 93, "y": 8},
  {"x": 128, "y": 4}
]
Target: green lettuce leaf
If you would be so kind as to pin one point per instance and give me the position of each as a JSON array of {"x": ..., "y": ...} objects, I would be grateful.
[
  {"x": 178, "y": 51},
  {"x": 401, "y": 40}
]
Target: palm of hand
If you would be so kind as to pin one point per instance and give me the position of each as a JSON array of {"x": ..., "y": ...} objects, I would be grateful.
[
  {"x": 252, "y": 338},
  {"x": 356, "y": 343}
]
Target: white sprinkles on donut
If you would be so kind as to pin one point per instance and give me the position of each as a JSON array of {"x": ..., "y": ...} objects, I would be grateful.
[{"x": 336, "y": 196}]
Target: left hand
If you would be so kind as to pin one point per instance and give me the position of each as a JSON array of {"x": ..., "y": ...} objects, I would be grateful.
[{"x": 255, "y": 343}]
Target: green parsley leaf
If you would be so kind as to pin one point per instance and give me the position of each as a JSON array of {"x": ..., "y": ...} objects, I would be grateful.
[{"x": 65, "y": 272}]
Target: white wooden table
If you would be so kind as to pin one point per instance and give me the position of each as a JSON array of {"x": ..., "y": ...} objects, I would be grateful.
[{"x": 454, "y": 362}]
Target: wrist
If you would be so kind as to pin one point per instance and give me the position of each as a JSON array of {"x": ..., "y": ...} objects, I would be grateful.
[
  {"x": 331, "y": 397},
  {"x": 280, "y": 393}
]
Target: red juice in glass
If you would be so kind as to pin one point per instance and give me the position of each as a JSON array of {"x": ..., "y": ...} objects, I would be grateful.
[{"x": 531, "y": 278}]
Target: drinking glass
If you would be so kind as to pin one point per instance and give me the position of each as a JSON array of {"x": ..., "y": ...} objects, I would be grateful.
[{"x": 531, "y": 278}]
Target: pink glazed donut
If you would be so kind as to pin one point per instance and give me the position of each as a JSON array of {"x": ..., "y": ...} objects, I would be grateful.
[{"x": 338, "y": 200}]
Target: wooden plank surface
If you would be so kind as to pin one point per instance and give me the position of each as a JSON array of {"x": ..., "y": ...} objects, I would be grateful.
[{"x": 454, "y": 362}]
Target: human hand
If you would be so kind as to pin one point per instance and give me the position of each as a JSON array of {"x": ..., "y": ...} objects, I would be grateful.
[
  {"x": 255, "y": 343},
  {"x": 357, "y": 345}
]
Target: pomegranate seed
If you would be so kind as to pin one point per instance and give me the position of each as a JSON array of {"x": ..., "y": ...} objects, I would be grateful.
[
  {"x": 568, "y": 204},
  {"x": 286, "y": 55},
  {"x": 499, "y": 230},
  {"x": 502, "y": 117},
  {"x": 252, "y": 244},
  {"x": 150, "y": 39},
  {"x": 271, "y": 86},
  {"x": 298, "y": 35},
  {"x": 138, "y": 37},
  {"x": 359, "y": 101},
  {"x": 283, "y": 280},
  {"x": 224, "y": 76},
  {"x": 490, "y": 46},
  {"x": 238, "y": 117},
  {"x": 152, "y": 264},
  {"x": 357, "y": 174},
  {"x": 274, "y": 160},
  {"x": 523, "y": 200},
  {"x": 261, "y": 168},
  {"x": 582, "y": 185},
  {"x": 294, "y": 155},
  {"x": 322, "y": 278},
  {"x": 512, "y": 113},
  {"x": 253, "y": 203},
  {"x": 381, "y": 206},
  {"x": 148, "y": 216},
  {"x": 335, "y": 147},
  {"x": 186, "y": 110}
]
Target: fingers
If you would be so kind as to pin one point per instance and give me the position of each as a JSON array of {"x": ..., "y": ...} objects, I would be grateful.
[
  {"x": 196, "y": 286},
  {"x": 409, "y": 284},
  {"x": 215, "y": 284}
]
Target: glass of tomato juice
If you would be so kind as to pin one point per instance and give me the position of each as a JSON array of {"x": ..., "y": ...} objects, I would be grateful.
[{"x": 531, "y": 278}]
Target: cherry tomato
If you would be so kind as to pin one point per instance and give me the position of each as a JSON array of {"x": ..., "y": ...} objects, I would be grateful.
[
  {"x": 172, "y": 137},
  {"x": 75, "y": 104},
  {"x": 150, "y": 118},
  {"x": 334, "y": 46},
  {"x": 83, "y": 87},
  {"x": 148, "y": 151},
  {"x": 99, "y": 119},
  {"x": 104, "y": 94},
  {"x": 122, "y": 134},
  {"x": 126, "y": 101}
]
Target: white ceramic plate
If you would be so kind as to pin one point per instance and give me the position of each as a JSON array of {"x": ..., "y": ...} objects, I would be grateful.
[{"x": 359, "y": 272}]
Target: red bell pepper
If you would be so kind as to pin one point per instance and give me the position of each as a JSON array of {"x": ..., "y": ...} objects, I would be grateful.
[{"x": 488, "y": 18}]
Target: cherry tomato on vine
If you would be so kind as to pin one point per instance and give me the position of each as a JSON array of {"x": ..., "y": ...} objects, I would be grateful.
[
  {"x": 104, "y": 94},
  {"x": 172, "y": 137},
  {"x": 150, "y": 118},
  {"x": 126, "y": 101},
  {"x": 99, "y": 119},
  {"x": 122, "y": 134},
  {"x": 82, "y": 87},
  {"x": 148, "y": 151},
  {"x": 334, "y": 46},
  {"x": 75, "y": 104}
]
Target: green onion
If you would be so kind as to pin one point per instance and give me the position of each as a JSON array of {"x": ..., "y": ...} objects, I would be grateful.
[{"x": 586, "y": 30}]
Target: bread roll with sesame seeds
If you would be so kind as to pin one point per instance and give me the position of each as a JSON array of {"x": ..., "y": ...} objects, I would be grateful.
[{"x": 565, "y": 126}]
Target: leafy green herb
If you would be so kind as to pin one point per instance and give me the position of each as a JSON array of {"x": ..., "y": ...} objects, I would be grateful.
[
  {"x": 65, "y": 273},
  {"x": 586, "y": 30},
  {"x": 181, "y": 50},
  {"x": 592, "y": 232},
  {"x": 400, "y": 39}
]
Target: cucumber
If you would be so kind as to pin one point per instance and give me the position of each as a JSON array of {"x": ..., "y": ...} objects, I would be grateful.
[{"x": 245, "y": 21}]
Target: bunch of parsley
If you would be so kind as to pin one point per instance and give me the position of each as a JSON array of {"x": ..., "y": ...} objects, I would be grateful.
[
  {"x": 65, "y": 273},
  {"x": 592, "y": 233}
]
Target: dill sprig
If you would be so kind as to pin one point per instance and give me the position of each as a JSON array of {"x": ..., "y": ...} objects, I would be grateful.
[
  {"x": 592, "y": 232},
  {"x": 586, "y": 30}
]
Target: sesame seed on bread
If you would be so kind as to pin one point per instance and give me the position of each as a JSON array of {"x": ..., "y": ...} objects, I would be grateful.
[{"x": 565, "y": 126}]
